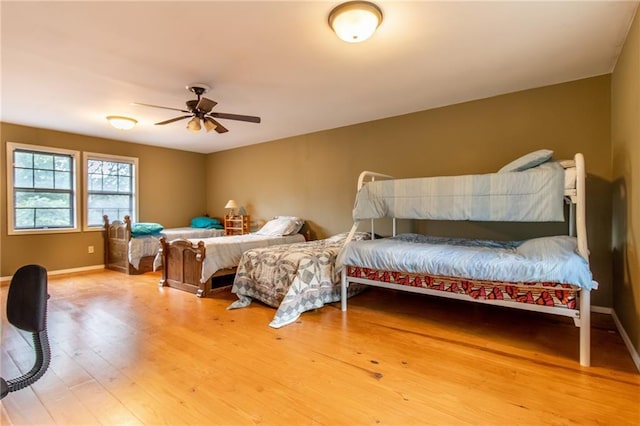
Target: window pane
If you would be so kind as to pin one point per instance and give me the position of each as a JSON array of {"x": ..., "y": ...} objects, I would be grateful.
[
  {"x": 63, "y": 180},
  {"x": 94, "y": 166},
  {"x": 63, "y": 164},
  {"x": 124, "y": 169},
  {"x": 42, "y": 199},
  {"x": 124, "y": 184},
  {"x": 43, "y": 161},
  {"x": 25, "y": 218},
  {"x": 109, "y": 168},
  {"x": 104, "y": 201},
  {"x": 23, "y": 159},
  {"x": 23, "y": 178},
  {"x": 110, "y": 183},
  {"x": 43, "y": 179},
  {"x": 95, "y": 182},
  {"x": 53, "y": 218}
]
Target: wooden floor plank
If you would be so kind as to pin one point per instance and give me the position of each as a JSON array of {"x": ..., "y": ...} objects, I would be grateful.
[{"x": 128, "y": 352}]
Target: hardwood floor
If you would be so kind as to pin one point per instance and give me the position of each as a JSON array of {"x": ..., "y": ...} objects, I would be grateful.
[{"x": 126, "y": 352}]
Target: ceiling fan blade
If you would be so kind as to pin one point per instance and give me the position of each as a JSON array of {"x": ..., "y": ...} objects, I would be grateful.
[
  {"x": 219, "y": 127},
  {"x": 248, "y": 118},
  {"x": 158, "y": 106},
  {"x": 174, "y": 119},
  {"x": 206, "y": 104}
]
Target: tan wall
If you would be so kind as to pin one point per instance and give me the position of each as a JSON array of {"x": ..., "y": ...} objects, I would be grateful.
[
  {"x": 314, "y": 176},
  {"x": 625, "y": 137},
  {"x": 164, "y": 174}
]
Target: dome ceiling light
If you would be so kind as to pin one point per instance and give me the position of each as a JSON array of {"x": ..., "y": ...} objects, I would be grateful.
[
  {"x": 122, "y": 123},
  {"x": 355, "y": 21}
]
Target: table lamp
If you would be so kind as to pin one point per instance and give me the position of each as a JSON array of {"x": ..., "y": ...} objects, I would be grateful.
[{"x": 231, "y": 205}]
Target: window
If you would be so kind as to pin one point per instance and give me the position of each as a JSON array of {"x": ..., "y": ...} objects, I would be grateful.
[
  {"x": 41, "y": 189},
  {"x": 110, "y": 188}
]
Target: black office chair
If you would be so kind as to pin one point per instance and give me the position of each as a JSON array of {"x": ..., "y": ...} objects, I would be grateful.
[{"x": 27, "y": 310}]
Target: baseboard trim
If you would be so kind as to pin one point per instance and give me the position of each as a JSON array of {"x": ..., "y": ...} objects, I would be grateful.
[
  {"x": 601, "y": 309},
  {"x": 61, "y": 272},
  {"x": 625, "y": 338}
]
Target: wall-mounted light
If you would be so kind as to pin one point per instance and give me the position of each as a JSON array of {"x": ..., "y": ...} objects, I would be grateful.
[
  {"x": 355, "y": 21},
  {"x": 122, "y": 123}
]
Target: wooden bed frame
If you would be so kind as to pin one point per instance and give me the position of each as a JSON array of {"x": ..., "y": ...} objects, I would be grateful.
[
  {"x": 182, "y": 267},
  {"x": 581, "y": 315},
  {"x": 182, "y": 263},
  {"x": 117, "y": 235}
]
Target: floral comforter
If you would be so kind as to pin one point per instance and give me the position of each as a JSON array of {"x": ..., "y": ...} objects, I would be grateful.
[{"x": 293, "y": 278}]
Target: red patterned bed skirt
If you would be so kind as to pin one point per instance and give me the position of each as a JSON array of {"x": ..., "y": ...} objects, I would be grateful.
[{"x": 540, "y": 293}]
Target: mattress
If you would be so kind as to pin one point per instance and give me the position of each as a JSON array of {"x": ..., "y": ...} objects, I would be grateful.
[{"x": 545, "y": 259}]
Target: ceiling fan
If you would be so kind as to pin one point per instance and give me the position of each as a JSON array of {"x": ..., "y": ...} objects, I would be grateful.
[{"x": 199, "y": 110}]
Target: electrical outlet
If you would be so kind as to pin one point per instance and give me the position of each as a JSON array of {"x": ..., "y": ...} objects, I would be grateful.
[{"x": 90, "y": 249}]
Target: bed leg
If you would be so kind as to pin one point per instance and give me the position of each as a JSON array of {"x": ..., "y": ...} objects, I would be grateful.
[
  {"x": 585, "y": 328},
  {"x": 343, "y": 290}
]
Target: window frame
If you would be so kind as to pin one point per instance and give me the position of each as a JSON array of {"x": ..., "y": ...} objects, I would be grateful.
[
  {"x": 11, "y": 219},
  {"x": 86, "y": 156}
]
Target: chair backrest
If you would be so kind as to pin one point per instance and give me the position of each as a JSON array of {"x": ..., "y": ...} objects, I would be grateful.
[{"x": 27, "y": 298}]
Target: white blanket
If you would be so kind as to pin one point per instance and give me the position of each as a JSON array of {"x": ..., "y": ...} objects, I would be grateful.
[{"x": 225, "y": 252}]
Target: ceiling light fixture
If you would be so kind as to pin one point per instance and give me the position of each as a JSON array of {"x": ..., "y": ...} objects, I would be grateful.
[
  {"x": 355, "y": 21},
  {"x": 122, "y": 123},
  {"x": 194, "y": 125}
]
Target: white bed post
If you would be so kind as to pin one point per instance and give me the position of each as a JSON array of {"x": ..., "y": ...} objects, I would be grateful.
[
  {"x": 581, "y": 222},
  {"x": 585, "y": 327},
  {"x": 343, "y": 290},
  {"x": 581, "y": 233}
]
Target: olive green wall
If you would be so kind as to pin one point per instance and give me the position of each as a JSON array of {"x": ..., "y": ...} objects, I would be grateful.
[
  {"x": 314, "y": 176},
  {"x": 164, "y": 174},
  {"x": 625, "y": 138}
]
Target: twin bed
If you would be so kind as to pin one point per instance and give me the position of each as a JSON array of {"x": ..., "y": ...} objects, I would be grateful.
[
  {"x": 547, "y": 274},
  {"x": 134, "y": 254},
  {"x": 192, "y": 264}
]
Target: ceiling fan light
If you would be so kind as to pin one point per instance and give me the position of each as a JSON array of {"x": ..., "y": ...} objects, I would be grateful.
[
  {"x": 355, "y": 21},
  {"x": 209, "y": 125},
  {"x": 122, "y": 123},
  {"x": 194, "y": 125}
]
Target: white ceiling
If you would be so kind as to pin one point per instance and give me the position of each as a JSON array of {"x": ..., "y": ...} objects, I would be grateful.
[{"x": 67, "y": 65}]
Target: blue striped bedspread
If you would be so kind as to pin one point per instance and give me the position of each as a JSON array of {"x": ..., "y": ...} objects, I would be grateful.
[
  {"x": 533, "y": 195},
  {"x": 546, "y": 259}
]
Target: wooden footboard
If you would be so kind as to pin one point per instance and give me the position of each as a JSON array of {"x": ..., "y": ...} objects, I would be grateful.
[
  {"x": 182, "y": 267},
  {"x": 116, "y": 248}
]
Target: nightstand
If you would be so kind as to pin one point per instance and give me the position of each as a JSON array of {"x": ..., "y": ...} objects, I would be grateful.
[{"x": 236, "y": 225}]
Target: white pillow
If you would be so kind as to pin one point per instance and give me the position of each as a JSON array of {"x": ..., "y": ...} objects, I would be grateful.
[
  {"x": 281, "y": 225},
  {"x": 528, "y": 161}
]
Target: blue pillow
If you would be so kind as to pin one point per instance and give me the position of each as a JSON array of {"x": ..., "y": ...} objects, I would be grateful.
[
  {"x": 145, "y": 228},
  {"x": 528, "y": 161},
  {"x": 206, "y": 222}
]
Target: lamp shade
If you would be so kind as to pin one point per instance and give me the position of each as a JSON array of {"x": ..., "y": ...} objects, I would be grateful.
[
  {"x": 121, "y": 123},
  {"x": 231, "y": 204},
  {"x": 209, "y": 124},
  {"x": 194, "y": 125},
  {"x": 355, "y": 21}
]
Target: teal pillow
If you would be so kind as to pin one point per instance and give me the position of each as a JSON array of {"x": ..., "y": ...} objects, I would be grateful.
[
  {"x": 145, "y": 228},
  {"x": 205, "y": 222}
]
